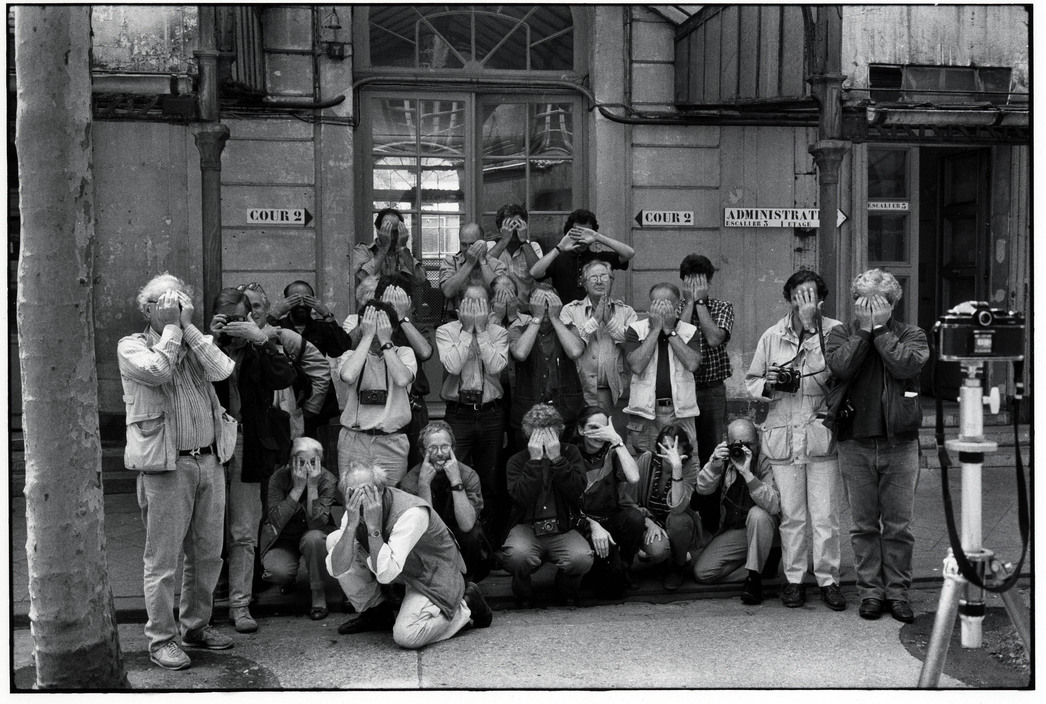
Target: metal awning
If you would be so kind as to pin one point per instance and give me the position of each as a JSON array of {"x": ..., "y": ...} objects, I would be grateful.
[
  {"x": 676, "y": 14},
  {"x": 988, "y": 124}
]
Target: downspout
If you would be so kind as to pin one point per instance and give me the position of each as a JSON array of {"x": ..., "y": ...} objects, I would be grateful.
[
  {"x": 210, "y": 138},
  {"x": 824, "y": 63}
]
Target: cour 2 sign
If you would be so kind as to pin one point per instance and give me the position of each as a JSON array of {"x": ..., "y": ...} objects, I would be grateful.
[
  {"x": 665, "y": 218},
  {"x": 287, "y": 217}
]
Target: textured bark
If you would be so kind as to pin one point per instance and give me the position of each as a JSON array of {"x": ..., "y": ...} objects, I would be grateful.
[{"x": 71, "y": 603}]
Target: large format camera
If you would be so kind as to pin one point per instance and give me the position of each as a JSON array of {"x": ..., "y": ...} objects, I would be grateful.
[{"x": 973, "y": 330}]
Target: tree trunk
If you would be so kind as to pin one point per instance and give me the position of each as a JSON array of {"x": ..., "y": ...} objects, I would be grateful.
[{"x": 71, "y": 603}]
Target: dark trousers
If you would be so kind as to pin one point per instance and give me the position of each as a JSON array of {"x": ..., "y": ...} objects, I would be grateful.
[
  {"x": 478, "y": 437},
  {"x": 607, "y": 577},
  {"x": 475, "y": 550},
  {"x": 627, "y": 528},
  {"x": 419, "y": 418},
  {"x": 711, "y": 430}
]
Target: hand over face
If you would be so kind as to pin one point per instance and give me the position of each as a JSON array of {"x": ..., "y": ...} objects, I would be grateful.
[
  {"x": 467, "y": 314},
  {"x": 369, "y": 322},
  {"x": 863, "y": 313},
  {"x": 696, "y": 286},
  {"x": 583, "y": 235},
  {"x": 371, "y": 505},
  {"x": 316, "y": 304},
  {"x": 167, "y": 309},
  {"x": 804, "y": 300},
  {"x": 428, "y": 470},
  {"x": 384, "y": 327},
  {"x": 536, "y": 444},
  {"x": 721, "y": 451},
  {"x": 398, "y": 299},
  {"x": 551, "y": 441},
  {"x": 668, "y": 451},
  {"x": 881, "y": 310},
  {"x": 247, "y": 330},
  {"x": 282, "y": 306},
  {"x": 481, "y": 314},
  {"x": 476, "y": 251}
]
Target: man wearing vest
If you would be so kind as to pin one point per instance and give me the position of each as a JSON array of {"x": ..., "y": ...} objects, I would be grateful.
[
  {"x": 387, "y": 536},
  {"x": 662, "y": 352},
  {"x": 177, "y": 438},
  {"x": 749, "y": 507}
]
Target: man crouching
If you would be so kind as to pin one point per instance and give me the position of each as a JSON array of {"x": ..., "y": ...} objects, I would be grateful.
[{"x": 387, "y": 536}]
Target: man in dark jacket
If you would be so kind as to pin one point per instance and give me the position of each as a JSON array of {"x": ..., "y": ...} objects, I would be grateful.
[
  {"x": 389, "y": 536},
  {"x": 261, "y": 368},
  {"x": 880, "y": 359},
  {"x": 545, "y": 483}
]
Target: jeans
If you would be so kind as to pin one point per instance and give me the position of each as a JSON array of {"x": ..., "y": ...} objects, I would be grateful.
[
  {"x": 737, "y": 547},
  {"x": 523, "y": 553},
  {"x": 478, "y": 438},
  {"x": 810, "y": 490},
  {"x": 683, "y": 534},
  {"x": 880, "y": 487},
  {"x": 183, "y": 512},
  {"x": 281, "y": 560},
  {"x": 242, "y": 519},
  {"x": 710, "y": 428}
]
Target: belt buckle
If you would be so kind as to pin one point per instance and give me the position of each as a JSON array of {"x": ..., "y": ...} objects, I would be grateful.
[{"x": 195, "y": 452}]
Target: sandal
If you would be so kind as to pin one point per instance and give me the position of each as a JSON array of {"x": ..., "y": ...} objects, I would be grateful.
[{"x": 318, "y": 613}]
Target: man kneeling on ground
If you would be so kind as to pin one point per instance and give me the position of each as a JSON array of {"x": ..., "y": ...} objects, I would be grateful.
[
  {"x": 389, "y": 536},
  {"x": 749, "y": 507}
]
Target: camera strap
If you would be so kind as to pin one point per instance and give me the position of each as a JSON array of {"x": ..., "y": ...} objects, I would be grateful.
[{"x": 1023, "y": 519}]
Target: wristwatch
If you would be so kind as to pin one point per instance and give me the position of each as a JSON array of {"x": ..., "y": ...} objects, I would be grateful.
[
  {"x": 387, "y": 346},
  {"x": 375, "y": 533},
  {"x": 672, "y": 334},
  {"x": 457, "y": 487},
  {"x": 614, "y": 447},
  {"x": 701, "y": 301},
  {"x": 404, "y": 319}
]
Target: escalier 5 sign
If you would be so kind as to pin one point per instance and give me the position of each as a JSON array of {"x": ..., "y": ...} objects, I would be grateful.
[{"x": 805, "y": 218}]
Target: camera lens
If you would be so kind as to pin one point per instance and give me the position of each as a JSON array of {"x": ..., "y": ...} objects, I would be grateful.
[{"x": 984, "y": 318}]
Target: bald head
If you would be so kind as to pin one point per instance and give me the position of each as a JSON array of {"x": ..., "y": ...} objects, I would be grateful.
[
  {"x": 742, "y": 430},
  {"x": 469, "y": 234}
]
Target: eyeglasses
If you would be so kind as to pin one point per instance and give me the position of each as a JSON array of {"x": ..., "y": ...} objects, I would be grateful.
[
  {"x": 252, "y": 286},
  {"x": 595, "y": 278},
  {"x": 440, "y": 448}
]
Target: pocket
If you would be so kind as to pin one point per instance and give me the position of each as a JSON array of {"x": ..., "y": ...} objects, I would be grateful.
[
  {"x": 226, "y": 440},
  {"x": 777, "y": 443},
  {"x": 820, "y": 441},
  {"x": 146, "y": 445},
  {"x": 909, "y": 414}
]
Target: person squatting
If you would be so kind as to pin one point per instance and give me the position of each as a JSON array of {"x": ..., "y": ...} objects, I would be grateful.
[{"x": 280, "y": 446}]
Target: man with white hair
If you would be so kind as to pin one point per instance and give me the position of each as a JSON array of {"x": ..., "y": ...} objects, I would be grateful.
[
  {"x": 880, "y": 359},
  {"x": 387, "y": 536},
  {"x": 178, "y": 436}
]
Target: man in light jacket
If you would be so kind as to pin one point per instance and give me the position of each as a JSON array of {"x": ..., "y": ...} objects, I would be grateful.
[{"x": 177, "y": 439}]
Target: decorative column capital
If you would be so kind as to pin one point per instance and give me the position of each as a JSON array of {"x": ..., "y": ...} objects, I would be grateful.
[
  {"x": 210, "y": 141},
  {"x": 828, "y": 155}
]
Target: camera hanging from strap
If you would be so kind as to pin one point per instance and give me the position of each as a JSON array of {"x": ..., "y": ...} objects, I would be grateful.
[{"x": 1023, "y": 519}]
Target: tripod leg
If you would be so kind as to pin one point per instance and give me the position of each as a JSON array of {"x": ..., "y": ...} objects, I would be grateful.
[
  {"x": 941, "y": 636},
  {"x": 1018, "y": 617}
]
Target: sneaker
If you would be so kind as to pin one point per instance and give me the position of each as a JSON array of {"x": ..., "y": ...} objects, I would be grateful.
[
  {"x": 481, "y": 613},
  {"x": 170, "y": 657},
  {"x": 794, "y": 595},
  {"x": 208, "y": 638},
  {"x": 242, "y": 620},
  {"x": 752, "y": 592},
  {"x": 833, "y": 597}
]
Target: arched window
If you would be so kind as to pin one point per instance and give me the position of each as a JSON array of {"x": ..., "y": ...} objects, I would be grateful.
[
  {"x": 444, "y": 154},
  {"x": 472, "y": 37}
]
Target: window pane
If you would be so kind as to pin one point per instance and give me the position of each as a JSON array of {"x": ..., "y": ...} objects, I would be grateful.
[
  {"x": 439, "y": 235},
  {"x": 395, "y": 179},
  {"x": 504, "y": 129},
  {"x": 506, "y": 38},
  {"x": 441, "y": 184},
  {"x": 552, "y": 130},
  {"x": 442, "y": 127},
  {"x": 445, "y": 41},
  {"x": 552, "y": 185},
  {"x": 887, "y": 237},
  {"x": 887, "y": 173},
  {"x": 395, "y": 126},
  {"x": 960, "y": 241},
  {"x": 152, "y": 39},
  {"x": 392, "y": 38},
  {"x": 503, "y": 182},
  {"x": 552, "y": 42}
]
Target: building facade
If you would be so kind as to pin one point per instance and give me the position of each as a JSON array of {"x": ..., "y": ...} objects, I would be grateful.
[{"x": 700, "y": 118}]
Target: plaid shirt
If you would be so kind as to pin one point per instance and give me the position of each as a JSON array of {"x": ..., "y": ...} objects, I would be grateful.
[{"x": 715, "y": 363}]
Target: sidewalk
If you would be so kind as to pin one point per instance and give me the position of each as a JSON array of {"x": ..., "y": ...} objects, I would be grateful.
[{"x": 125, "y": 540}]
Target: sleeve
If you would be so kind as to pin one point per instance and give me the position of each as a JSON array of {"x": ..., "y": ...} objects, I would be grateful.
[
  {"x": 351, "y": 322},
  {"x": 151, "y": 367},
  {"x": 411, "y": 525},
  {"x": 216, "y": 365},
  {"x": 632, "y": 342},
  {"x": 710, "y": 476},
  {"x": 277, "y": 371},
  {"x": 537, "y": 248},
  {"x": 362, "y": 262},
  {"x": 493, "y": 348},
  {"x": 326, "y": 494},
  {"x": 763, "y": 489},
  {"x": 523, "y": 478},
  {"x": 315, "y": 366},
  {"x": 446, "y": 269},
  {"x": 621, "y": 321},
  {"x": 452, "y": 346},
  {"x": 724, "y": 318},
  {"x": 755, "y": 378},
  {"x": 904, "y": 355},
  {"x": 406, "y": 355},
  {"x": 846, "y": 353},
  {"x": 335, "y": 341},
  {"x": 281, "y": 507},
  {"x": 473, "y": 489},
  {"x": 568, "y": 473},
  {"x": 690, "y": 471},
  {"x": 637, "y": 492}
]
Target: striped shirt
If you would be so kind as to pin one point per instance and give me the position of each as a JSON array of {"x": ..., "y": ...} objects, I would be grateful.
[{"x": 166, "y": 359}]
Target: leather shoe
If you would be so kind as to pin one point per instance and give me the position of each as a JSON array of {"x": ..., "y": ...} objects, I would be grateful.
[
  {"x": 901, "y": 610},
  {"x": 752, "y": 592},
  {"x": 481, "y": 613},
  {"x": 377, "y": 618},
  {"x": 794, "y": 595},
  {"x": 870, "y": 608},
  {"x": 833, "y": 597},
  {"x": 673, "y": 578}
]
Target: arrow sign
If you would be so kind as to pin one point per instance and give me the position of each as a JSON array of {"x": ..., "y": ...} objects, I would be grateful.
[
  {"x": 803, "y": 218},
  {"x": 284, "y": 217},
  {"x": 665, "y": 218}
]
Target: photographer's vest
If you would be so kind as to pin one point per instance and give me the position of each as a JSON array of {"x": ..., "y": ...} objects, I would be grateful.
[
  {"x": 434, "y": 565},
  {"x": 642, "y": 392}
]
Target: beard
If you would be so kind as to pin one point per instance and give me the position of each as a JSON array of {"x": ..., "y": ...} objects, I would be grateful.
[{"x": 300, "y": 315}]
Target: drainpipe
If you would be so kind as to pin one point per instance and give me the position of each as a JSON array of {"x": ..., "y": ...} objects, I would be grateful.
[
  {"x": 824, "y": 62},
  {"x": 210, "y": 141}
]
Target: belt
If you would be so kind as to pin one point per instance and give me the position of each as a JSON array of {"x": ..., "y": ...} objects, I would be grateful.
[
  {"x": 375, "y": 431},
  {"x": 663, "y": 402},
  {"x": 707, "y": 384},
  {"x": 196, "y": 451},
  {"x": 475, "y": 407}
]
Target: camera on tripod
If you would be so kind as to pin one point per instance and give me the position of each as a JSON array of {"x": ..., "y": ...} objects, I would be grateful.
[{"x": 975, "y": 331}]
